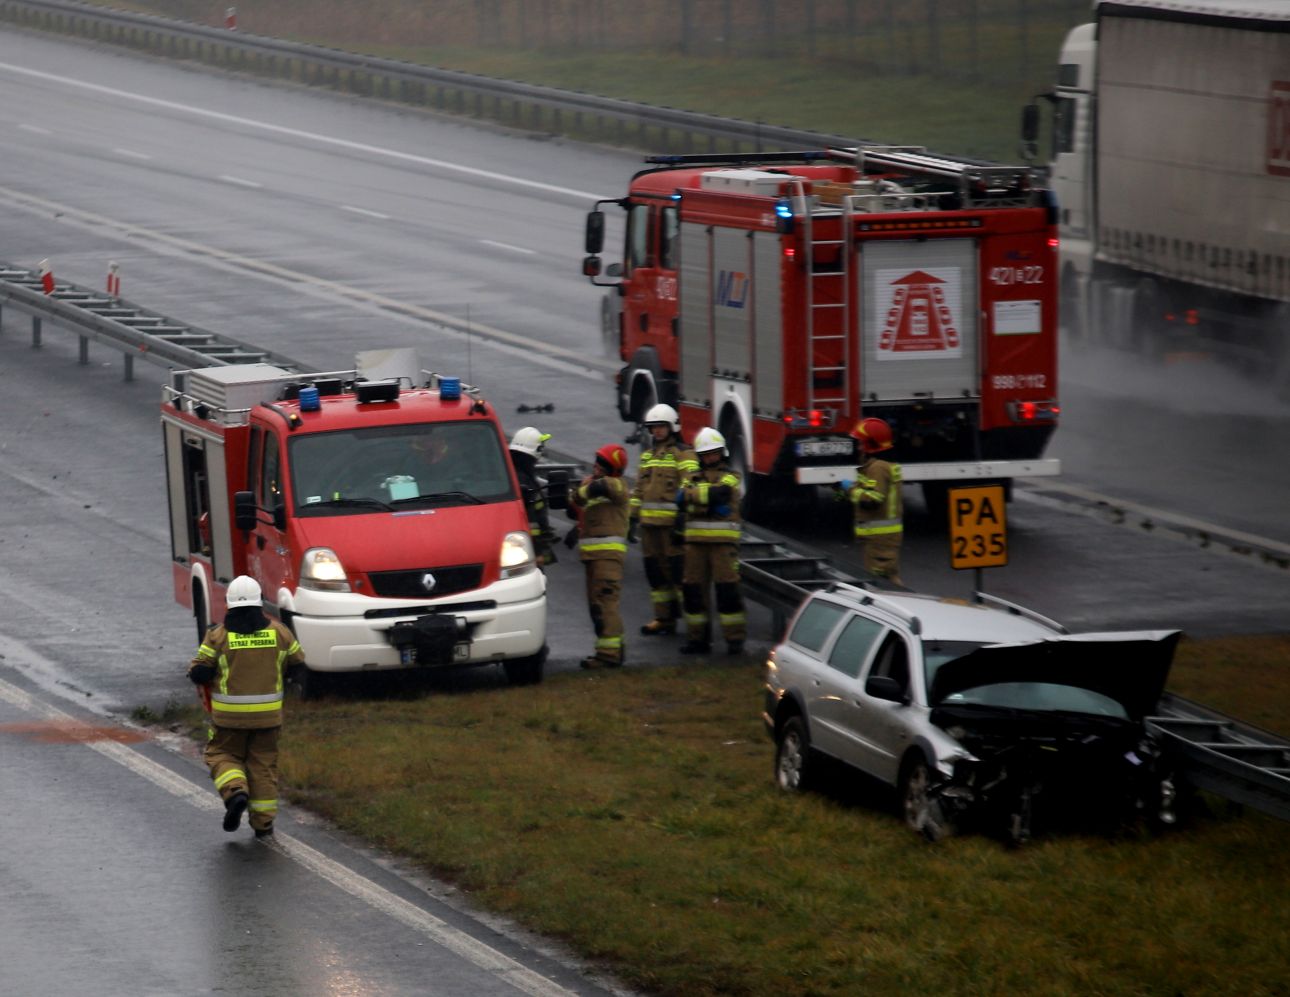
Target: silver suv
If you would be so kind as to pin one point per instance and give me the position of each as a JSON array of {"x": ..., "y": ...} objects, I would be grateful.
[{"x": 980, "y": 714}]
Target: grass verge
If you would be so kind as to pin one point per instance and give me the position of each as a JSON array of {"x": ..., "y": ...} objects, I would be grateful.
[{"x": 632, "y": 814}]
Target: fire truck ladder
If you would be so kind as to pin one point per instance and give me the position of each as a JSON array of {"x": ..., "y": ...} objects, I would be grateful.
[
  {"x": 828, "y": 385},
  {"x": 976, "y": 183}
]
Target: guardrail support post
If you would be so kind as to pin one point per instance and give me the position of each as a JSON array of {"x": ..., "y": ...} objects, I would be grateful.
[
  {"x": 35, "y": 333},
  {"x": 129, "y": 366},
  {"x": 85, "y": 350}
]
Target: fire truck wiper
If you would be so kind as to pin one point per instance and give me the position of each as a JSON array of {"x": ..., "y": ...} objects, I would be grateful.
[
  {"x": 368, "y": 503},
  {"x": 440, "y": 497}
]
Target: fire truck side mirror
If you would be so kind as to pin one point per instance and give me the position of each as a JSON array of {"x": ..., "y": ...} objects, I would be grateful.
[
  {"x": 591, "y": 266},
  {"x": 1030, "y": 131},
  {"x": 279, "y": 517},
  {"x": 244, "y": 510},
  {"x": 557, "y": 489},
  {"x": 595, "y": 239}
]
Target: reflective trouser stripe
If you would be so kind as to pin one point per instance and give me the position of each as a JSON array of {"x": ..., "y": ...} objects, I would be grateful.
[
  {"x": 593, "y": 544},
  {"x": 877, "y": 527},
  {"x": 228, "y": 777},
  {"x": 264, "y": 806},
  {"x": 732, "y": 619},
  {"x": 724, "y": 535},
  {"x": 609, "y": 643}
]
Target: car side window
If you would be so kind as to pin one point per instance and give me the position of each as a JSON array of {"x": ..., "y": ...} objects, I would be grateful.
[
  {"x": 816, "y": 621},
  {"x": 893, "y": 660},
  {"x": 851, "y": 650}
]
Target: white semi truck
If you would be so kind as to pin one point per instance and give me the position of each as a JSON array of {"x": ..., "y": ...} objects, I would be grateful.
[{"x": 1171, "y": 169}]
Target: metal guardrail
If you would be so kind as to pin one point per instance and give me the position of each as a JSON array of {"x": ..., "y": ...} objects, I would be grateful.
[
  {"x": 124, "y": 326},
  {"x": 523, "y": 105}
]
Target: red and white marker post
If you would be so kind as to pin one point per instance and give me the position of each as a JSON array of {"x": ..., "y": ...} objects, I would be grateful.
[
  {"x": 114, "y": 280},
  {"x": 46, "y": 277},
  {"x": 230, "y": 19}
]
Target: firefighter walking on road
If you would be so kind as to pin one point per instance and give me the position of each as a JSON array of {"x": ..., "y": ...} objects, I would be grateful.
[
  {"x": 601, "y": 500},
  {"x": 712, "y": 530},
  {"x": 664, "y": 468},
  {"x": 879, "y": 508},
  {"x": 526, "y": 447},
  {"x": 244, "y": 662}
]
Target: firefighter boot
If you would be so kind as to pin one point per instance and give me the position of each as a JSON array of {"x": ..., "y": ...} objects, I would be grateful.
[
  {"x": 659, "y": 628},
  {"x": 234, "y": 807}
]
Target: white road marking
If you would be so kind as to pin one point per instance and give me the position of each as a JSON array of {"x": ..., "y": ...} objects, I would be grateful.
[
  {"x": 238, "y": 181},
  {"x": 364, "y": 211},
  {"x": 35, "y": 130},
  {"x": 131, "y": 154},
  {"x": 374, "y": 150},
  {"x": 513, "y": 249},
  {"x": 580, "y": 363},
  {"x": 437, "y": 930}
]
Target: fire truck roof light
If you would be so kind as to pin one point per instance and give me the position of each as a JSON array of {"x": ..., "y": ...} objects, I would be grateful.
[
  {"x": 783, "y": 209},
  {"x": 377, "y": 391},
  {"x": 309, "y": 400},
  {"x": 449, "y": 388}
]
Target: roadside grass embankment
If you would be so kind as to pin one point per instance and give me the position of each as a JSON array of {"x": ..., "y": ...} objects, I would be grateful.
[{"x": 632, "y": 814}]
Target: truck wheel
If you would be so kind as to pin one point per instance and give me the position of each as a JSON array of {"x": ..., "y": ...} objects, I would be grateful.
[
  {"x": 1147, "y": 336},
  {"x": 526, "y": 671},
  {"x": 199, "y": 613}
]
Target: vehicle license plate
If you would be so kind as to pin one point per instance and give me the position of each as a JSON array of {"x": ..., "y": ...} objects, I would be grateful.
[{"x": 824, "y": 448}]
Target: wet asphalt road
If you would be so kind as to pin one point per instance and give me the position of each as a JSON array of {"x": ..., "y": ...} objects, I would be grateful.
[{"x": 123, "y": 880}]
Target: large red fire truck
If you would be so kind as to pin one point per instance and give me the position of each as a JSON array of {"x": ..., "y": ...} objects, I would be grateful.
[
  {"x": 781, "y": 296},
  {"x": 382, "y": 519}
]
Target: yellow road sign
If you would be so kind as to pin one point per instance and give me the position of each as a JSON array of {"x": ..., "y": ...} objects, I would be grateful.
[{"x": 978, "y": 527}]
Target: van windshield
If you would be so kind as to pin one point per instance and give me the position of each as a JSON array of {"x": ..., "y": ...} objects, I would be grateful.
[{"x": 396, "y": 467}]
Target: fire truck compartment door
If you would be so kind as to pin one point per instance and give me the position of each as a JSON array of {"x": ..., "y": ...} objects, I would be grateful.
[{"x": 921, "y": 320}]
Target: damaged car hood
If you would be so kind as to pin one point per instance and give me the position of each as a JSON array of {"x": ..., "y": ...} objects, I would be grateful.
[{"x": 1130, "y": 667}]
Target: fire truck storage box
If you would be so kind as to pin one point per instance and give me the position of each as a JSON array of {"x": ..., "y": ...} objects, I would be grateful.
[
  {"x": 758, "y": 182},
  {"x": 236, "y": 386}
]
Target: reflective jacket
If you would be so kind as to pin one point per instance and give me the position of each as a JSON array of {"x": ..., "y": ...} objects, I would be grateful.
[
  {"x": 602, "y": 531},
  {"x": 663, "y": 470},
  {"x": 876, "y": 496},
  {"x": 247, "y": 689},
  {"x": 711, "y": 501}
]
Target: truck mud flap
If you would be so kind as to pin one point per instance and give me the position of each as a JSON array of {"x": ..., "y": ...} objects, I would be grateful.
[{"x": 435, "y": 639}]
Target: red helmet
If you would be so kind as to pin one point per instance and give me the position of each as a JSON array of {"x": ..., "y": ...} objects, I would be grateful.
[
  {"x": 613, "y": 458},
  {"x": 873, "y": 434}
]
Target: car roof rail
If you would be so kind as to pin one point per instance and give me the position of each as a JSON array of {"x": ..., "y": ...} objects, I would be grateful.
[
  {"x": 869, "y": 598},
  {"x": 1017, "y": 610}
]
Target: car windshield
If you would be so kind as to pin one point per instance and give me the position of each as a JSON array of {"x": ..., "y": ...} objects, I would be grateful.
[
  {"x": 384, "y": 468},
  {"x": 1043, "y": 696}
]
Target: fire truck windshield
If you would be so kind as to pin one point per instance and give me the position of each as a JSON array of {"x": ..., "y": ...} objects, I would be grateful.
[{"x": 355, "y": 471}]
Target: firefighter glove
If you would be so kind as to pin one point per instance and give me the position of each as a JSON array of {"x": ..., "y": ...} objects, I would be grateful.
[
  {"x": 633, "y": 531},
  {"x": 571, "y": 538},
  {"x": 719, "y": 495},
  {"x": 598, "y": 489},
  {"x": 202, "y": 674}
]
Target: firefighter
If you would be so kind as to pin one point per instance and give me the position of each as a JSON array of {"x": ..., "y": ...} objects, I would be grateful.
[
  {"x": 527, "y": 446},
  {"x": 601, "y": 502},
  {"x": 243, "y": 662},
  {"x": 665, "y": 466},
  {"x": 876, "y": 496},
  {"x": 712, "y": 529}
]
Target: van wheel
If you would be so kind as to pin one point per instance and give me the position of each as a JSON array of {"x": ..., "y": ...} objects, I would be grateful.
[
  {"x": 303, "y": 683},
  {"x": 526, "y": 671}
]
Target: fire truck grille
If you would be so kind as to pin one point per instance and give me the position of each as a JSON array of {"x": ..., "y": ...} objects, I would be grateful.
[{"x": 422, "y": 582}]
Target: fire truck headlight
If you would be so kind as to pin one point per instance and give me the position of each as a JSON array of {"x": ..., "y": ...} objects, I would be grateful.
[
  {"x": 517, "y": 555},
  {"x": 321, "y": 569}
]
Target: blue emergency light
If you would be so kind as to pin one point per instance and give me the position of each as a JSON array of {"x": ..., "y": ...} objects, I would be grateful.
[
  {"x": 309, "y": 399},
  {"x": 449, "y": 388}
]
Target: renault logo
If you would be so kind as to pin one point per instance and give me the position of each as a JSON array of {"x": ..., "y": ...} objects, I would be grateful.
[{"x": 428, "y": 582}]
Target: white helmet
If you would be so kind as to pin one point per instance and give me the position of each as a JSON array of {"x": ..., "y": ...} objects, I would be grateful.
[
  {"x": 528, "y": 440},
  {"x": 243, "y": 591},
  {"x": 663, "y": 414},
  {"x": 708, "y": 440}
]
